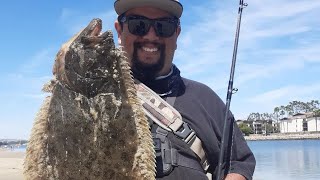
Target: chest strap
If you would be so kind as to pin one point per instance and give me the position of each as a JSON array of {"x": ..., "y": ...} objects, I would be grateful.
[
  {"x": 167, "y": 117},
  {"x": 168, "y": 155}
]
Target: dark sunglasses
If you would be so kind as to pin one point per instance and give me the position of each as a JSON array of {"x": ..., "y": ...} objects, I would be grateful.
[{"x": 140, "y": 25}]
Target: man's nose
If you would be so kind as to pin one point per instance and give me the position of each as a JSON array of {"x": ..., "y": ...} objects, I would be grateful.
[{"x": 151, "y": 35}]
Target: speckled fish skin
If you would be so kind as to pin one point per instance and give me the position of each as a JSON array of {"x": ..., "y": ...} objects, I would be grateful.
[{"x": 92, "y": 125}]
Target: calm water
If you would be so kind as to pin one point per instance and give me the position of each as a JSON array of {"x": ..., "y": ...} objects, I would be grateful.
[
  {"x": 287, "y": 160},
  {"x": 21, "y": 148},
  {"x": 282, "y": 160}
]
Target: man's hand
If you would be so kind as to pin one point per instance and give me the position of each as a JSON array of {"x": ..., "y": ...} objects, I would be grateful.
[{"x": 234, "y": 176}]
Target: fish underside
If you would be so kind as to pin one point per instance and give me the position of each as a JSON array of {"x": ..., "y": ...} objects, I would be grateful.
[{"x": 92, "y": 125}]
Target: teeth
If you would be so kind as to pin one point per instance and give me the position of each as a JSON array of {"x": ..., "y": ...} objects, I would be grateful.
[{"x": 150, "y": 49}]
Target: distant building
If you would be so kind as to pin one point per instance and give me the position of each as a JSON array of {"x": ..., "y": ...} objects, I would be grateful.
[
  {"x": 300, "y": 122},
  {"x": 257, "y": 126}
]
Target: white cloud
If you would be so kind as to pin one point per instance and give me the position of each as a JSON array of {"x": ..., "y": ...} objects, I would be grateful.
[
  {"x": 73, "y": 21},
  {"x": 207, "y": 42},
  {"x": 282, "y": 8},
  {"x": 276, "y": 38},
  {"x": 290, "y": 92},
  {"x": 267, "y": 101},
  {"x": 67, "y": 13},
  {"x": 39, "y": 96},
  {"x": 38, "y": 60},
  {"x": 271, "y": 96},
  {"x": 20, "y": 84}
]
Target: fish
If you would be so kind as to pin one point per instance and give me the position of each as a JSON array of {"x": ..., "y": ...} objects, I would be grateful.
[{"x": 91, "y": 125}]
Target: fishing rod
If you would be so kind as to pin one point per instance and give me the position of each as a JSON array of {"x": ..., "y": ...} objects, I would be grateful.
[{"x": 229, "y": 122}]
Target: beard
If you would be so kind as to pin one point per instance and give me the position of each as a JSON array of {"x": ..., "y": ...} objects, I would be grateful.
[{"x": 145, "y": 72}]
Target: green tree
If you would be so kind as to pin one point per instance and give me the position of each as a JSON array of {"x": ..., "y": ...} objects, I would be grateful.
[
  {"x": 245, "y": 129},
  {"x": 269, "y": 128},
  {"x": 282, "y": 111},
  {"x": 316, "y": 114},
  {"x": 276, "y": 112}
]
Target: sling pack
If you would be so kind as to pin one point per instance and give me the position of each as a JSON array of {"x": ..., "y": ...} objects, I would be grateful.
[{"x": 168, "y": 118}]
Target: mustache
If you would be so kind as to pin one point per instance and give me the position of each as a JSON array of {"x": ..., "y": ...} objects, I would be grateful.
[
  {"x": 147, "y": 72},
  {"x": 143, "y": 43}
]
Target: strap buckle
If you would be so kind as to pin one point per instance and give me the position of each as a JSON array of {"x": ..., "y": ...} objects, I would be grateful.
[
  {"x": 184, "y": 131},
  {"x": 205, "y": 165}
]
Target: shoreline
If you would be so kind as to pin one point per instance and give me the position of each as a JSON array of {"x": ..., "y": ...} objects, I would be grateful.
[
  {"x": 282, "y": 136},
  {"x": 11, "y": 164},
  {"x": 11, "y": 161}
]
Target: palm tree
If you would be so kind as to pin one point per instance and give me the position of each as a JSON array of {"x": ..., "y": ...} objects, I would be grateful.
[
  {"x": 276, "y": 112},
  {"x": 314, "y": 104},
  {"x": 316, "y": 114},
  {"x": 289, "y": 109}
]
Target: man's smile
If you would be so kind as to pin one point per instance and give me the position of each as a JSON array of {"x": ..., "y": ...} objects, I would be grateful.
[
  {"x": 147, "y": 49},
  {"x": 148, "y": 52}
]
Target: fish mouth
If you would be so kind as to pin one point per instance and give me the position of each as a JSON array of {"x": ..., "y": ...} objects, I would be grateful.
[
  {"x": 95, "y": 66},
  {"x": 93, "y": 29},
  {"x": 84, "y": 64}
]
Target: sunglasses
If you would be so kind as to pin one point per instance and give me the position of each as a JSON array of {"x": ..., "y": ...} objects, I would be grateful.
[{"x": 140, "y": 25}]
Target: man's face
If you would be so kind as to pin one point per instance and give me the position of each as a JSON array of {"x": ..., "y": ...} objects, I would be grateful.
[{"x": 150, "y": 54}]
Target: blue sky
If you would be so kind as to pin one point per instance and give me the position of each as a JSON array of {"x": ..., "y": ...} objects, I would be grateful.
[{"x": 278, "y": 56}]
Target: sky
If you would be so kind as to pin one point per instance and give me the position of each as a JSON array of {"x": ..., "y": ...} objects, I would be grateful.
[{"x": 277, "y": 62}]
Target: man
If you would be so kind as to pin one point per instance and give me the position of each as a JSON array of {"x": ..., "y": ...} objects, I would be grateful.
[{"x": 148, "y": 31}]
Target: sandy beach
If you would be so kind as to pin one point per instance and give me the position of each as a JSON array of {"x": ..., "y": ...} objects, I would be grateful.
[{"x": 11, "y": 165}]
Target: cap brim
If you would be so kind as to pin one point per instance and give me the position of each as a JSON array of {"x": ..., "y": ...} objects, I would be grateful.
[{"x": 173, "y": 7}]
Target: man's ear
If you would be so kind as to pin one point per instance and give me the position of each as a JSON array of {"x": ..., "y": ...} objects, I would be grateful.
[
  {"x": 118, "y": 28},
  {"x": 178, "y": 30},
  {"x": 178, "y": 33}
]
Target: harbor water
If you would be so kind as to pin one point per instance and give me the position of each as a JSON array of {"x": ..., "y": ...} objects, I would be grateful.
[
  {"x": 282, "y": 159},
  {"x": 286, "y": 159}
]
